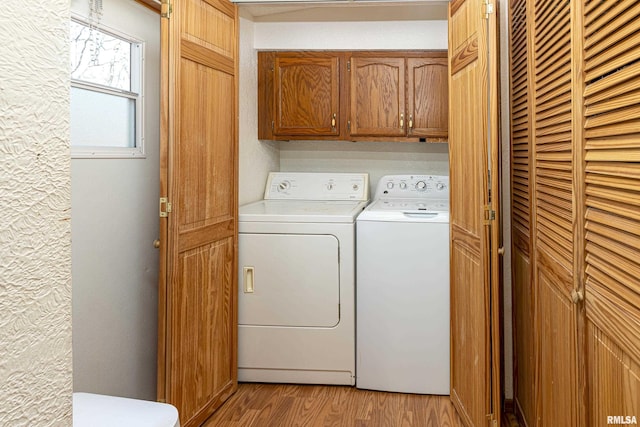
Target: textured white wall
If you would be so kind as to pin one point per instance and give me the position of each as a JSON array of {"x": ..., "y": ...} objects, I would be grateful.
[
  {"x": 35, "y": 240},
  {"x": 114, "y": 222},
  {"x": 257, "y": 158}
]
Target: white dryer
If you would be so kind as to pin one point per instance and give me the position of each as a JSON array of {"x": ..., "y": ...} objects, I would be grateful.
[
  {"x": 403, "y": 286},
  {"x": 296, "y": 302}
]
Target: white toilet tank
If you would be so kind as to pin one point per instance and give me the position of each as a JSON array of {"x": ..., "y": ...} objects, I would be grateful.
[{"x": 95, "y": 410}]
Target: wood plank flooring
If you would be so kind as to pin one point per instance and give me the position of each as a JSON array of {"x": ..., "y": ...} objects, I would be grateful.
[{"x": 280, "y": 405}]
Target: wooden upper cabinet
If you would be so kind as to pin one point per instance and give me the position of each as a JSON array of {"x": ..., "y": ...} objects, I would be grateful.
[
  {"x": 365, "y": 95},
  {"x": 307, "y": 97},
  {"x": 428, "y": 97},
  {"x": 377, "y": 101}
]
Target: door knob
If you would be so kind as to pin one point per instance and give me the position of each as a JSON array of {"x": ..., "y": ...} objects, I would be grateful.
[
  {"x": 576, "y": 296},
  {"x": 501, "y": 251},
  {"x": 156, "y": 243}
]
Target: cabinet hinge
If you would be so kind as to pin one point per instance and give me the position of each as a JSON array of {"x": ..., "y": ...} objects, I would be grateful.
[
  {"x": 165, "y": 9},
  {"x": 348, "y": 65},
  {"x": 487, "y": 8},
  {"x": 489, "y": 214},
  {"x": 165, "y": 207},
  {"x": 273, "y": 125},
  {"x": 349, "y": 125}
]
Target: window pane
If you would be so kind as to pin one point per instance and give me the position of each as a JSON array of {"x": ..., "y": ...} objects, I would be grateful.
[
  {"x": 98, "y": 57},
  {"x": 102, "y": 120}
]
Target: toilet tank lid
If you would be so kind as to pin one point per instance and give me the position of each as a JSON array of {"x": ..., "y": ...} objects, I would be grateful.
[{"x": 96, "y": 410}]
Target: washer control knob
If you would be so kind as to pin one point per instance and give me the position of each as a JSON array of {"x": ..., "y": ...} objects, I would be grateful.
[
  {"x": 356, "y": 187},
  {"x": 390, "y": 185},
  {"x": 403, "y": 185},
  {"x": 421, "y": 185},
  {"x": 330, "y": 186},
  {"x": 284, "y": 186},
  {"x": 440, "y": 186}
]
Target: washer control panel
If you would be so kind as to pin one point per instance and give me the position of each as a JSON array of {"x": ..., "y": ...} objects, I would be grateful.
[
  {"x": 413, "y": 186},
  {"x": 317, "y": 186}
]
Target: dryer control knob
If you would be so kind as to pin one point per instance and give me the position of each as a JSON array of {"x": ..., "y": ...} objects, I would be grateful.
[
  {"x": 330, "y": 186},
  {"x": 440, "y": 186},
  {"x": 403, "y": 185},
  {"x": 421, "y": 185},
  {"x": 390, "y": 185},
  {"x": 284, "y": 186}
]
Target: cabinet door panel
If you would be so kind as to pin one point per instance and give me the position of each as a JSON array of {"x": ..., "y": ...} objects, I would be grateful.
[
  {"x": 307, "y": 96},
  {"x": 428, "y": 97},
  {"x": 378, "y": 97}
]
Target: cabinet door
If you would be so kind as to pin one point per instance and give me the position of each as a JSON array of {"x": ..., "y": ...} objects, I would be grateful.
[
  {"x": 428, "y": 97},
  {"x": 377, "y": 97},
  {"x": 306, "y": 95}
]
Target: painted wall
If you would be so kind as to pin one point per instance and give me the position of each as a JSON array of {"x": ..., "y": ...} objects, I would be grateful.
[
  {"x": 256, "y": 158},
  {"x": 376, "y": 158},
  {"x": 35, "y": 239},
  {"x": 114, "y": 223}
]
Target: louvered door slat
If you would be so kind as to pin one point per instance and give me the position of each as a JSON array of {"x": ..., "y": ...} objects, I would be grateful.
[
  {"x": 612, "y": 180},
  {"x": 554, "y": 239},
  {"x": 521, "y": 201},
  {"x": 612, "y": 19}
]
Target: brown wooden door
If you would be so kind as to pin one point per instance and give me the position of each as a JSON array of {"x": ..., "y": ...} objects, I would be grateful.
[
  {"x": 473, "y": 155},
  {"x": 428, "y": 97},
  {"x": 524, "y": 308},
  {"x": 612, "y": 210},
  {"x": 377, "y": 96},
  {"x": 555, "y": 214},
  {"x": 307, "y": 96},
  {"x": 197, "y": 296}
]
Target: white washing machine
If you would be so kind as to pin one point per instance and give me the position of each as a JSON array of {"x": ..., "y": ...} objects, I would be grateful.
[
  {"x": 403, "y": 287},
  {"x": 296, "y": 303}
]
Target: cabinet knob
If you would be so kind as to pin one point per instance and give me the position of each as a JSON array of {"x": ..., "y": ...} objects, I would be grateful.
[
  {"x": 156, "y": 243},
  {"x": 402, "y": 121}
]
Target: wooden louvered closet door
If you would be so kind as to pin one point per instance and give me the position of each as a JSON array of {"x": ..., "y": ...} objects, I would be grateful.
[
  {"x": 521, "y": 196},
  {"x": 554, "y": 214},
  {"x": 579, "y": 158},
  {"x": 612, "y": 190}
]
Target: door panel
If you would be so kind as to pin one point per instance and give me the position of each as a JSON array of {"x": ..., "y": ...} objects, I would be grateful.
[
  {"x": 612, "y": 200},
  {"x": 473, "y": 156},
  {"x": 557, "y": 353},
  {"x": 295, "y": 280},
  {"x": 197, "y": 332},
  {"x": 555, "y": 214},
  {"x": 428, "y": 97},
  {"x": 307, "y": 95},
  {"x": 377, "y": 97}
]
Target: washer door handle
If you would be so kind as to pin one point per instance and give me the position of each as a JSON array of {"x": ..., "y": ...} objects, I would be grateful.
[{"x": 248, "y": 279}]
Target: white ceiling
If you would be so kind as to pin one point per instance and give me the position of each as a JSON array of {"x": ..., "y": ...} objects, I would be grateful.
[{"x": 359, "y": 10}]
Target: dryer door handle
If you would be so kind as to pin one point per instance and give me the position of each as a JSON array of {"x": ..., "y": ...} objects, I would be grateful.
[{"x": 248, "y": 279}]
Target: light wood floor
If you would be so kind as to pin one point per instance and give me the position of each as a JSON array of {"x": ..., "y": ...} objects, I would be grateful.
[{"x": 277, "y": 405}]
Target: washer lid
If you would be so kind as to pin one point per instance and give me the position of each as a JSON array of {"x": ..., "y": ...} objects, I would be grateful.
[
  {"x": 301, "y": 211},
  {"x": 407, "y": 210}
]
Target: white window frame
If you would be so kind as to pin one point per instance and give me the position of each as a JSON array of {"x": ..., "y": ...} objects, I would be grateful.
[{"x": 137, "y": 81}]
